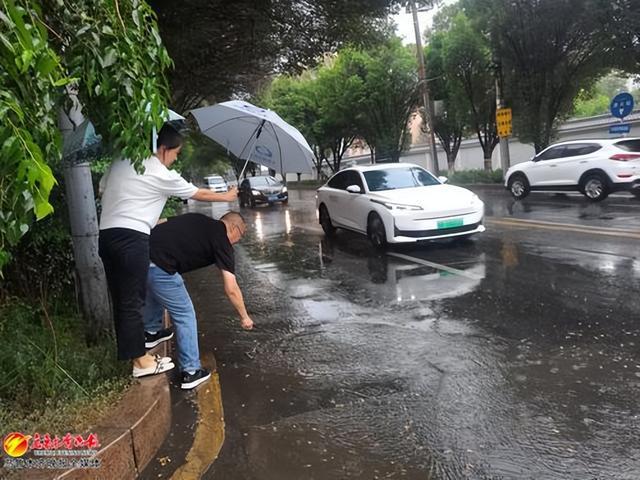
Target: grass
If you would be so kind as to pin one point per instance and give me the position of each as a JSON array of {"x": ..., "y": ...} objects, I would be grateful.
[{"x": 51, "y": 379}]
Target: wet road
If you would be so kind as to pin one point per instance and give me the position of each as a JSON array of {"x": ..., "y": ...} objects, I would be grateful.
[{"x": 513, "y": 355}]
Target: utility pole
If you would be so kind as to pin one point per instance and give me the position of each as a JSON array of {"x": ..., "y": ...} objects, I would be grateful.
[
  {"x": 432, "y": 165},
  {"x": 505, "y": 159}
]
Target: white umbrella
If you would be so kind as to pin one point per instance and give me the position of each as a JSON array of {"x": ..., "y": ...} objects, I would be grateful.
[{"x": 256, "y": 134}]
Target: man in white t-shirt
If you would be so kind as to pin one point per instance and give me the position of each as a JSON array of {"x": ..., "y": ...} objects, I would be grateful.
[{"x": 131, "y": 206}]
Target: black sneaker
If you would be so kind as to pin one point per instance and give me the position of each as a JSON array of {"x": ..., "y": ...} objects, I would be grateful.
[
  {"x": 191, "y": 381},
  {"x": 153, "y": 339}
]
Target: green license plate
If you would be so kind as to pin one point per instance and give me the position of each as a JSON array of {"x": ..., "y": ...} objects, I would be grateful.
[{"x": 451, "y": 223}]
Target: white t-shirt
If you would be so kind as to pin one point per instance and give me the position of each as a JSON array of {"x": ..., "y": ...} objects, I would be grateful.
[{"x": 135, "y": 201}]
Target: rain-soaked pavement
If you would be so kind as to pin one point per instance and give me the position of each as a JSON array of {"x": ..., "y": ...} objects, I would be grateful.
[{"x": 513, "y": 355}]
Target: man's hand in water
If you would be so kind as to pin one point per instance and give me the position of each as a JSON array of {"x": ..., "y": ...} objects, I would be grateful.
[{"x": 246, "y": 323}]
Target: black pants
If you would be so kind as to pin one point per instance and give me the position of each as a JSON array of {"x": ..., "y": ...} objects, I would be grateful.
[{"x": 125, "y": 255}]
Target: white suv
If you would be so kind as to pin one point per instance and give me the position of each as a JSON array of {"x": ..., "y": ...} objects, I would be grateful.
[{"x": 594, "y": 167}]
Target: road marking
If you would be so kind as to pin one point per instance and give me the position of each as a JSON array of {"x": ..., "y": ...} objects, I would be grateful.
[
  {"x": 209, "y": 435},
  {"x": 437, "y": 266},
  {"x": 565, "y": 227}
]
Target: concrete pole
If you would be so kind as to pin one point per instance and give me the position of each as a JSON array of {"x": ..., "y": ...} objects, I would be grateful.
[
  {"x": 90, "y": 277},
  {"x": 432, "y": 162},
  {"x": 505, "y": 159}
]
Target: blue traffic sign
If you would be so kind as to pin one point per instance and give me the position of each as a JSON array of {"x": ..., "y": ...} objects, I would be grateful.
[
  {"x": 620, "y": 128},
  {"x": 621, "y": 105}
]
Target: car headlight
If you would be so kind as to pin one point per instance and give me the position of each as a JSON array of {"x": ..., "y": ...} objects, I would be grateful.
[
  {"x": 397, "y": 206},
  {"x": 284, "y": 190},
  {"x": 255, "y": 192}
]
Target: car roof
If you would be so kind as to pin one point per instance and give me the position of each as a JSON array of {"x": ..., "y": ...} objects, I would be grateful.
[
  {"x": 604, "y": 141},
  {"x": 380, "y": 166}
]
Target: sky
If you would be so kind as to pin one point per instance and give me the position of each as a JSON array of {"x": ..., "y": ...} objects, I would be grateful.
[{"x": 405, "y": 23}]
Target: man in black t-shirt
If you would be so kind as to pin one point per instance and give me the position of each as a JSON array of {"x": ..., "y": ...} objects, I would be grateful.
[{"x": 180, "y": 245}]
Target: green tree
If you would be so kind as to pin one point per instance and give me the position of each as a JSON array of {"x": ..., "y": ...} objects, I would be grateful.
[
  {"x": 389, "y": 95},
  {"x": 549, "y": 50},
  {"x": 449, "y": 124},
  {"x": 596, "y": 101},
  {"x": 295, "y": 99},
  {"x": 114, "y": 55},
  {"x": 222, "y": 48},
  {"x": 321, "y": 104},
  {"x": 467, "y": 66},
  {"x": 31, "y": 78}
]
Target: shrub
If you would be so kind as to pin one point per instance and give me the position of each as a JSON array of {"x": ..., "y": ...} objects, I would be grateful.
[
  {"x": 47, "y": 365},
  {"x": 465, "y": 177}
]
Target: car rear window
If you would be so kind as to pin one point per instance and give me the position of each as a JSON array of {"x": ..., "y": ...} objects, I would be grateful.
[{"x": 629, "y": 145}]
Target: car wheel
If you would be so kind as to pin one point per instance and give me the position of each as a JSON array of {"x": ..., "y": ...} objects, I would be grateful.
[
  {"x": 519, "y": 186},
  {"x": 325, "y": 221},
  {"x": 595, "y": 187},
  {"x": 376, "y": 231}
]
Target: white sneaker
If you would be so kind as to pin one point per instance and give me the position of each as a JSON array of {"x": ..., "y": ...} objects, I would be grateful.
[{"x": 159, "y": 367}]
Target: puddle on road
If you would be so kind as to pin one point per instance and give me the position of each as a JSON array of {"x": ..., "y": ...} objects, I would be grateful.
[{"x": 527, "y": 369}]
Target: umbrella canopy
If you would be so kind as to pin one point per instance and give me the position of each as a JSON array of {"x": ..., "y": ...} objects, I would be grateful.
[{"x": 256, "y": 134}]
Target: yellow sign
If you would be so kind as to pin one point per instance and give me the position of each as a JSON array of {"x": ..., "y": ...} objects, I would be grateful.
[{"x": 503, "y": 122}]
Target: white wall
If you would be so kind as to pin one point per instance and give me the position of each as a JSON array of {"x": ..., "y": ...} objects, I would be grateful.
[{"x": 470, "y": 155}]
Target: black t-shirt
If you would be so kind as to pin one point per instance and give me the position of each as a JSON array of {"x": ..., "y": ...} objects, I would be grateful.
[{"x": 191, "y": 241}]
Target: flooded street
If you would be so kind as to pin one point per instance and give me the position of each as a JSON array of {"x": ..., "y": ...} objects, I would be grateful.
[{"x": 513, "y": 355}]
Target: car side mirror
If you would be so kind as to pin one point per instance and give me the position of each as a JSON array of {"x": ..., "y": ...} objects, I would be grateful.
[
  {"x": 443, "y": 179},
  {"x": 354, "y": 189}
]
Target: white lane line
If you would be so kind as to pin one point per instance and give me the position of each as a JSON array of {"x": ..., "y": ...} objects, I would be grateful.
[
  {"x": 564, "y": 227},
  {"x": 437, "y": 266}
]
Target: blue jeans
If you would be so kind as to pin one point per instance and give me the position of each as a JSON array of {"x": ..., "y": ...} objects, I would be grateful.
[{"x": 168, "y": 291}]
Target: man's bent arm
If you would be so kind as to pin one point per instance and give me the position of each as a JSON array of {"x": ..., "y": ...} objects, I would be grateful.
[{"x": 232, "y": 290}]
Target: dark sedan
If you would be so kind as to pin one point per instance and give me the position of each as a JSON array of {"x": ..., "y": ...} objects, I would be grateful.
[{"x": 262, "y": 189}]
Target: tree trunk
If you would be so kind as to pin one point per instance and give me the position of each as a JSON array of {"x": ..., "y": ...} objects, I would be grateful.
[
  {"x": 89, "y": 271},
  {"x": 90, "y": 277},
  {"x": 451, "y": 163}
]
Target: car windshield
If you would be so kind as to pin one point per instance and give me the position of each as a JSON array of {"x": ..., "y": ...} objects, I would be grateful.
[
  {"x": 264, "y": 181},
  {"x": 216, "y": 180},
  {"x": 394, "y": 178}
]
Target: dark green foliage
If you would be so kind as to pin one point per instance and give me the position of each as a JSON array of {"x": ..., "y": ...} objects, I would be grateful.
[
  {"x": 48, "y": 364},
  {"x": 551, "y": 49},
  {"x": 222, "y": 48},
  {"x": 466, "y": 177},
  {"x": 31, "y": 80},
  {"x": 42, "y": 266}
]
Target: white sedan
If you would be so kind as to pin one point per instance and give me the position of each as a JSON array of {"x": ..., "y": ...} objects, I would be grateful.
[{"x": 397, "y": 203}]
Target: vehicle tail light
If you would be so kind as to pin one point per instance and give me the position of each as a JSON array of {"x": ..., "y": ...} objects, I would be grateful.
[{"x": 625, "y": 157}]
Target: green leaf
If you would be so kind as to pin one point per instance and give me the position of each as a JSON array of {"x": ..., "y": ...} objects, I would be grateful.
[
  {"x": 110, "y": 58},
  {"x": 27, "y": 56}
]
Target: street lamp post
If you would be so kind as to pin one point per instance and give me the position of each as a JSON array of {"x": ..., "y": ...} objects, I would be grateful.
[{"x": 432, "y": 165}]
